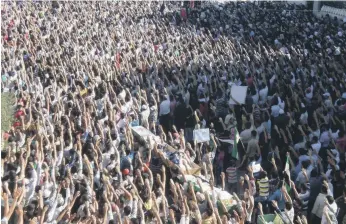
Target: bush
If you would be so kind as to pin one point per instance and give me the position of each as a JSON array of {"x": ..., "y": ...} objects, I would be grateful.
[{"x": 7, "y": 111}]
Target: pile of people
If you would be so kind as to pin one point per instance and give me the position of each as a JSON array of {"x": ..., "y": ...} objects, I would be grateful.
[{"x": 85, "y": 75}]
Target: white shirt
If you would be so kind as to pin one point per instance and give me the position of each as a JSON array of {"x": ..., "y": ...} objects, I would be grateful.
[
  {"x": 316, "y": 147},
  {"x": 187, "y": 98},
  {"x": 263, "y": 94},
  {"x": 255, "y": 98},
  {"x": 316, "y": 133},
  {"x": 299, "y": 145},
  {"x": 275, "y": 110},
  {"x": 334, "y": 135},
  {"x": 310, "y": 95},
  {"x": 290, "y": 214},
  {"x": 145, "y": 115},
  {"x": 165, "y": 107},
  {"x": 331, "y": 209},
  {"x": 121, "y": 123},
  {"x": 304, "y": 118},
  {"x": 324, "y": 139},
  {"x": 228, "y": 118},
  {"x": 281, "y": 103},
  {"x": 319, "y": 205}
]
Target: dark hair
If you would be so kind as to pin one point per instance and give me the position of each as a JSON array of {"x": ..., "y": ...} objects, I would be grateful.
[
  {"x": 315, "y": 139},
  {"x": 127, "y": 210},
  {"x": 305, "y": 164},
  {"x": 253, "y": 133},
  {"x": 313, "y": 173},
  {"x": 302, "y": 151},
  {"x": 209, "y": 211},
  {"x": 330, "y": 199},
  {"x": 288, "y": 205},
  {"x": 324, "y": 189}
]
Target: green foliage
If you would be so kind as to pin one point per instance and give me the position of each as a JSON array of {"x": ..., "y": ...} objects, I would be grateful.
[{"x": 7, "y": 111}]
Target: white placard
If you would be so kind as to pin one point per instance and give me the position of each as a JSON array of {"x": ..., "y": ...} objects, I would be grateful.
[
  {"x": 238, "y": 93},
  {"x": 201, "y": 135}
]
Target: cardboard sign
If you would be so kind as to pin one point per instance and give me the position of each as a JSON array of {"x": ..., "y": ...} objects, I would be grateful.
[
  {"x": 201, "y": 135},
  {"x": 238, "y": 93}
]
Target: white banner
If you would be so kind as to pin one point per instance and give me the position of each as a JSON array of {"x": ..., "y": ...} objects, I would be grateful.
[{"x": 201, "y": 135}]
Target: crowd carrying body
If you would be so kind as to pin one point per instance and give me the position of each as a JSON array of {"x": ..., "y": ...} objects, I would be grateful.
[{"x": 85, "y": 73}]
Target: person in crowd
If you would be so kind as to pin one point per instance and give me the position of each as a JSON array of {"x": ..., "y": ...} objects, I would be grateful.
[{"x": 137, "y": 112}]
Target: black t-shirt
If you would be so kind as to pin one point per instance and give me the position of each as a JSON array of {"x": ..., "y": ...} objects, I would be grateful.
[
  {"x": 180, "y": 112},
  {"x": 281, "y": 121},
  {"x": 342, "y": 206},
  {"x": 190, "y": 120}
]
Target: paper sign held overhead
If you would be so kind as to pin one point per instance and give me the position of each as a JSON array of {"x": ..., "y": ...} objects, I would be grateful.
[
  {"x": 201, "y": 135},
  {"x": 238, "y": 93}
]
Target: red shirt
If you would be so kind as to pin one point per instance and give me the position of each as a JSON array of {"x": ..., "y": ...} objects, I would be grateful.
[
  {"x": 17, "y": 124},
  {"x": 156, "y": 47},
  {"x": 204, "y": 109},
  {"x": 183, "y": 13},
  {"x": 18, "y": 114}
]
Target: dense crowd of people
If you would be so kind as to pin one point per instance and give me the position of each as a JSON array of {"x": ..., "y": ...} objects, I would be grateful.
[{"x": 86, "y": 74}]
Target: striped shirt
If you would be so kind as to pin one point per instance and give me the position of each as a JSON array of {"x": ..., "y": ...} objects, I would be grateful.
[
  {"x": 232, "y": 177},
  {"x": 263, "y": 187}
]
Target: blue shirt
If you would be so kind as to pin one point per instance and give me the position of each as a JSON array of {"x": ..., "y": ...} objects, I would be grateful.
[
  {"x": 135, "y": 123},
  {"x": 279, "y": 197}
]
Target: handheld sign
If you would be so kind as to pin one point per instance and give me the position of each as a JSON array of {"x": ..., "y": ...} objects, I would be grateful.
[
  {"x": 201, "y": 135},
  {"x": 238, "y": 93}
]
